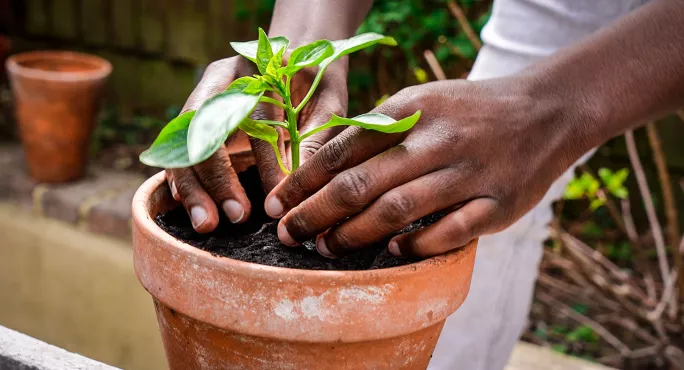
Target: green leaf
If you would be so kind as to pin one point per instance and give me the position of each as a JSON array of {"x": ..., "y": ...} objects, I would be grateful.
[
  {"x": 560, "y": 348},
  {"x": 580, "y": 308},
  {"x": 358, "y": 42},
  {"x": 620, "y": 176},
  {"x": 274, "y": 64},
  {"x": 264, "y": 52},
  {"x": 605, "y": 174},
  {"x": 378, "y": 122},
  {"x": 369, "y": 121},
  {"x": 266, "y": 133},
  {"x": 340, "y": 49},
  {"x": 249, "y": 49},
  {"x": 574, "y": 190},
  {"x": 596, "y": 204},
  {"x": 620, "y": 192},
  {"x": 308, "y": 55},
  {"x": 170, "y": 149},
  {"x": 248, "y": 85},
  {"x": 217, "y": 119}
]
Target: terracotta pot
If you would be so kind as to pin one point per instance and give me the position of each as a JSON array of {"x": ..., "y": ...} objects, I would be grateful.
[
  {"x": 57, "y": 97},
  {"x": 220, "y": 313}
]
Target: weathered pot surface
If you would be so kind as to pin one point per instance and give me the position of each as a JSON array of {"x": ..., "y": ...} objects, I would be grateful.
[
  {"x": 57, "y": 97},
  {"x": 220, "y": 313}
]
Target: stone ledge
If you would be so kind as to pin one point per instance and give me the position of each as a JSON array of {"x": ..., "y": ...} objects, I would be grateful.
[
  {"x": 100, "y": 203},
  {"x": 21, "y": 352}
]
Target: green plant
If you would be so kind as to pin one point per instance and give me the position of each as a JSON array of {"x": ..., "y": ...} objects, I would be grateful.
[
  {"x": 194, "y": 136},
  {"x": 587, "y": 186}
]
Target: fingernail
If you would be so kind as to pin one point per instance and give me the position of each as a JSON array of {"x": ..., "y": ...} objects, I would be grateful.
[
  {"x": 394, "y": 249},
  {"x": 285, "y": 237},
  {"x": 274, "y": 207},
  {"x": 174, "y": 191},
  {"x": 197, "y": 215},
  {"x": 233, "y": 210},
  {"x": 322, "y": 248}
]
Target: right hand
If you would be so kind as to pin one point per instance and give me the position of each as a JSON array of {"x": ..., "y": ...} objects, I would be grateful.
[{"x": 214, "y": 181}]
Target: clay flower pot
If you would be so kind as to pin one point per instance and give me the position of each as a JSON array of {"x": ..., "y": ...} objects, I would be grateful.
[
  {"x": 57, "y": 97},
  {"x": 220, "y": 313}
]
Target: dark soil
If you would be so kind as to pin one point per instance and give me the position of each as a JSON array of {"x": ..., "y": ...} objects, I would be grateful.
[{"x": 256, "y": 240}]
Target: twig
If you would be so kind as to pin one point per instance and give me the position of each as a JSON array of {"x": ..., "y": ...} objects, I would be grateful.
[
  {"x": 668, "y": 293},
  {"x": 576, "y": 292},
  {"x": 598, "y": 328},
  {"x": 434, "y": 65},
  {"x": 648, "y": 204},
  {"x": 642, "y": 259},
  {"x": 668, "y": 197},
  {"x": 630, "y": 325},
  {"x": 457, "y": 12}
]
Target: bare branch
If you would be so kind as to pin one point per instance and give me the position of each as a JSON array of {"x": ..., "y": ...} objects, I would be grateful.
[
  {"x": 598, "y": 328},
  {"x": 457, "y": 12},
  {"x": 434, "y": 65},
  {"x": 648, "y": 204}
]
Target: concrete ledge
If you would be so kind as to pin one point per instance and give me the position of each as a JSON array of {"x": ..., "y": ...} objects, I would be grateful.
[
  {"x": 21, "y": 352},
  {"x": 75, "y": 290}
]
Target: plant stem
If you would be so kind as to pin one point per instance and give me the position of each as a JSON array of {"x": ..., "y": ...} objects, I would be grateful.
[
  {"x": 266, "y": 99},
  {"x": 314, "y": 85},
  {"x": 291, "y": 113}
]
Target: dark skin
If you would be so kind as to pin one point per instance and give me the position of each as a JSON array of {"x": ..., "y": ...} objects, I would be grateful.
[
  {"x": 485, "y": 152},
  {"x": 213, "y": 186}
]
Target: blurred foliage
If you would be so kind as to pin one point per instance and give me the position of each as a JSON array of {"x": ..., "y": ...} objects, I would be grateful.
[
  {"x": 587, "y": 186},
  {"x": 419, "y": 25}
]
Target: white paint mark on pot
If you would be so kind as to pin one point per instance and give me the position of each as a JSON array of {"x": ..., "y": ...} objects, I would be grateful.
[
  {"x": 315, "y": 306},
  {"x": 285, "y": 309},
  {"x": 311, "y": 306}
]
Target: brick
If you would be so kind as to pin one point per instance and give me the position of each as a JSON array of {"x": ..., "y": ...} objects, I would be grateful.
[
  {"x": 66, "y": 202},
  {"x": 113, "y": 216},
  {"x": 15, "y": 185}
]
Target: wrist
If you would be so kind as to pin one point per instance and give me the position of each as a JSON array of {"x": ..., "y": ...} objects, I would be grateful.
[{"x": 574, "y": 118}]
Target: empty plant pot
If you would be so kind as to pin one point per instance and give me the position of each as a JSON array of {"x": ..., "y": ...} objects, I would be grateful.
[
  {"x": 220, "y": 313},
  {"x": 57, "y": 96}
]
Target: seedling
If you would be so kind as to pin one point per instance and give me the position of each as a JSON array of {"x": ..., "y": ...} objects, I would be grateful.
[{"x": 194, "y": 136}]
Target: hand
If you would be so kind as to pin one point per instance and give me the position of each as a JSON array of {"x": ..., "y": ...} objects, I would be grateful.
[
  {"x": 483, "y": 152},
  {"x": 214, "y": 181}
]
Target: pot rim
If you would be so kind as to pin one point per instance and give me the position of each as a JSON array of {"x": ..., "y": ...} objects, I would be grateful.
[
  {"x": 141, "y": 216},
  {"x": 101, "y": 67}
]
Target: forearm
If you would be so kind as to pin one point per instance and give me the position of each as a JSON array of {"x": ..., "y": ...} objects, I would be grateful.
[
  {"x": 619, "y": 78},
  {"x": 304, "y": 21}
]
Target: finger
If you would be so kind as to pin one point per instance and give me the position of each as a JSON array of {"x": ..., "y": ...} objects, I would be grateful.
[
  {"x": 216, "y": 78},
  {"x": 455, "y": 230},
  {"x": 220, "y": 181},
  {"x": 354, "y": 189},
  {"x": 199, "y": 205},
  {"x": 319, "y": 112},
  {"x": 267, "y": 162},
  {"x": 395, "y": 210},
  {"x": 350, "y": 148}
]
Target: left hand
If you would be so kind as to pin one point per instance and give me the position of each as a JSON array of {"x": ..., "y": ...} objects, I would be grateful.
[{"x": 484, "y": 152}]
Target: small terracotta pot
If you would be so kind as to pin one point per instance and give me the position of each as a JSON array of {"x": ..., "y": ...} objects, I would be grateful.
[
  {"x": 220, "y": 313},
  {"x": 57, "y": 97}
]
